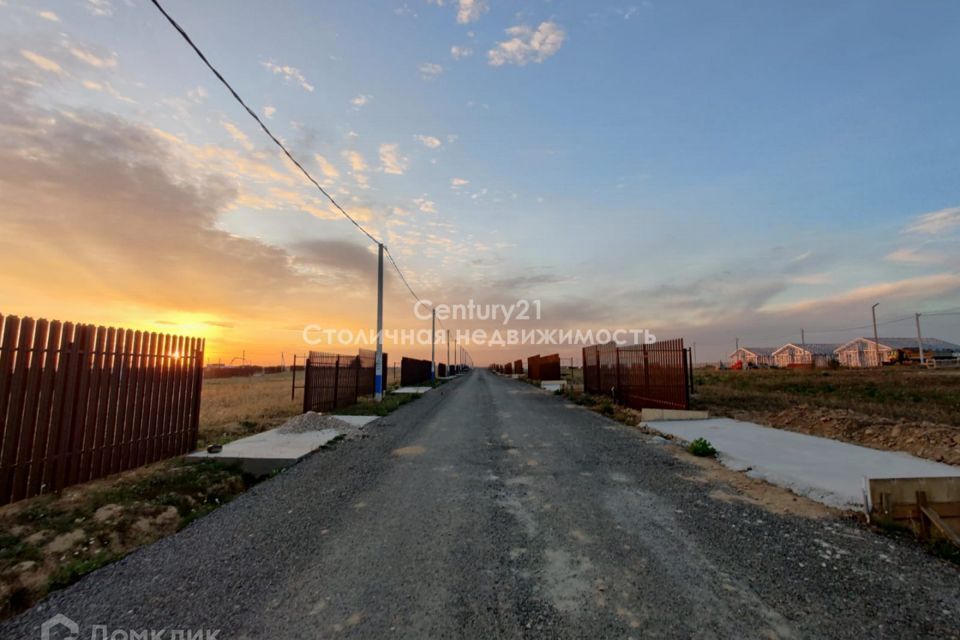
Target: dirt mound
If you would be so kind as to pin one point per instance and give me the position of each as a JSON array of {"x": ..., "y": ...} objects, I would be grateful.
[
  {"x": 929, "y": 440},
  {"x": 313, "y": 421}
]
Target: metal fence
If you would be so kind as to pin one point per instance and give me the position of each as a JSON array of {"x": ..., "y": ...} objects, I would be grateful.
[
  {"x": 640, "y": 376},
  {"x": 331, "y": 380},
  {"x": 414, "y": 372},
  {"x": 79, "y": 402},
  {"x": 544, "y": 367}
]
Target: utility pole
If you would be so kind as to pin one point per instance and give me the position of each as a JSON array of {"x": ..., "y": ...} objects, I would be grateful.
[
  {"x": 919, "y": 339},
  {"x": 433, "y": 348},
  {"x": 876, "y": 336},
  {"x": 449, "y": 371},
  {"x": 378, "y": 365},
  {"x": 738, "y": 347},
  {"x": 803, "y": 340}
]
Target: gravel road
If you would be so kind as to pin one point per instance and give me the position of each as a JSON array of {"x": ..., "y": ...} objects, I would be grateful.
[{"x": 489, "y": 508}]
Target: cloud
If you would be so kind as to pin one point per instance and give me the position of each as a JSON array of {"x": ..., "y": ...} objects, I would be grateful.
[
  {"x": 471, "y": 10},
  {"x": 391, "y": 161},
  {"x": 238, "y": 135},
  {"x": 920, "y": 287},
  {"x": 426, "y": 206},
  {"x": 49, "y": 15},
  {"x": 268, "y": 111},
  {"x": 102, "y": 8},
  {"x": 458, "y": 52},
  {"x": 326, "y": 167},
  {"x": 44, "y": 63},
  {"x": 358, "y": 167},
  {"x": 528, "y": 45},
  {"x": 936, "y": 221},
  {"x": 290, "y": 73},
  {"x": 360, "y": 100},
  {"x": 92, "y": 59},
  {"x": 430, "y": 70},
  {"x": 430, "y": 142},
  {"x": 107, "y": 88},
  {"x": 456, "y": 183}
]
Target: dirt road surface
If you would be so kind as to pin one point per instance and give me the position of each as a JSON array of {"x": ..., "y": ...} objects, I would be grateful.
[{"x": 491, "y": 509}]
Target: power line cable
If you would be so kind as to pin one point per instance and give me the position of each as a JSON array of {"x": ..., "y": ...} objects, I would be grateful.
[{"x": 276, "y": 141}]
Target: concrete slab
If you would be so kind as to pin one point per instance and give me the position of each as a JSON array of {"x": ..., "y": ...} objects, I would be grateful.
[
  {"x": 646, "y": 415},
  {"x": 553, "y": 385},
  {"x": 265, "y": 452},
  {"x": 417, "y": 390},
  {"x": 824, "y": 470}
]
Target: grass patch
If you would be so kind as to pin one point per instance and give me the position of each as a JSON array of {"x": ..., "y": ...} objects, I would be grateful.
[
  {"x": 369, "y": 407},
  {"x": 701, "y": 447}
]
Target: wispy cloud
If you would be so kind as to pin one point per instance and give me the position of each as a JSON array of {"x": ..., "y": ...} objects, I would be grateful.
[
  {"x": 237, "y": 135},
  {"x": 467, "y": 10},
  {"x": 358, "y": 167},
  {"x": 457, "y": 183},
  {"x": 44, "y": 63},
  {"x": 268, "y": 111},
  {"x": 430, "y": 70},
  {"x": 458, "y": 52},
  {"x": 290, "y": 73},
  {"x": 49, "y": 15},
  {"x": 89, "y": 57},
  {"x": 426, "y": 206},
  {"x": 326, "y": 167},
  {"x": 391, "y": 160},
  {"x": 528, "y": 45},
  {"x": 361, "y": 100},
  {"x": 430, "y": 142},
  {"x": 102, "y": 8},
  {"x": 936, "y": 221}
]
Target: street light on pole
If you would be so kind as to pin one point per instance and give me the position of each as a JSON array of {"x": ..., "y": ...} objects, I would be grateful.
[
  {"x": 433, "y": 347},
  {"x": 919, "y": 339},
  {"x": 876, "y": 336}
]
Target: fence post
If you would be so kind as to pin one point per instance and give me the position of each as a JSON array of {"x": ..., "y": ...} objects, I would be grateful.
[
  {"x": 306, "y": 382},
  {"x": 336, "y": 381},
  {"x": 293, "y": 381},
  {"x": 356, "y": 383},
  {"x": 686, "y": 379},
  {"x": 616, "y": 392}
]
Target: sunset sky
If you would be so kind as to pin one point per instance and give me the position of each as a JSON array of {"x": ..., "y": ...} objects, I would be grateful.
[{"x": 706, "y": 170}]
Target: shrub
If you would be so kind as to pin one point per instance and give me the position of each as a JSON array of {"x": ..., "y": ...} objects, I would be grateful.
[{"x": 702, "y": 447}]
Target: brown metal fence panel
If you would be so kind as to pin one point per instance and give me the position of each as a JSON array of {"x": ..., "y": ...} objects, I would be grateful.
[
  {"x": 414, "y": 372},
  {"x": 640, "y": 376},
  {"x": 79, "y": 402},
  {"x": 550, "y": 367},
  {"x": 331, "y": 381},
  {"x": 533, "y": 367}
]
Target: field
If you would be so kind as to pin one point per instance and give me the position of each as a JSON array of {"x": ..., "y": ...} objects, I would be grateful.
[
  {"x": 898, "y": 408},
  {"x": 234, "y": 407}
]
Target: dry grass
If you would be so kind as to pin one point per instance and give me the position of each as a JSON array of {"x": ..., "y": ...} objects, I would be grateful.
[
  {"x": 234, "y": 407},
  {"x": 894, "y": 392}
]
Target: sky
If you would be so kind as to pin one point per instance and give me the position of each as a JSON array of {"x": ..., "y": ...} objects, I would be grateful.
[{"x": 707, "y": 170}]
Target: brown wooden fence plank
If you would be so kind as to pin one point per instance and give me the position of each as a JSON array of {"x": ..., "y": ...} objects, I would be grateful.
[
  {"x": 95, "y": 362},
  {"x": 163, "y": 398},
  {"x": 196, "y": 392},
  {"x": 55, "y": 432},
  {"x": 8, "y": 343},
  {"x": 38, "y": 464},
  {"x": 188, "y": 381},
  {"x": 72, "y": 366},
  {"x": 118, "y": 375},
  {"x": 126, "y": 422},
  {"x": 14, "y": 410},
  {"x": 30, "y": 406},
  {"x": 104, "y": 371},
  {"x": 175, "y": 423},
  {"x": 149, "y": 405},
  {"x": 82, "y": 402}
]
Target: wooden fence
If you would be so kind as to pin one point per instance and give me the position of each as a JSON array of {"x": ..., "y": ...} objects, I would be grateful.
[
  {"x": 79, "y": 402},
  {"x": 414, "y": 372},
  {"x": 641, "y": 376}
]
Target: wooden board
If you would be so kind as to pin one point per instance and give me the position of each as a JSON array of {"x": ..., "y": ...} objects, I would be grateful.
[{"x": 896, "y": 500}]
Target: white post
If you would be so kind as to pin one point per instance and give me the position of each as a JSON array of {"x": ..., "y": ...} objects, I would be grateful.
[
  {"x": 378, "y": 365},
  {"x": 433, "y": 348},
  {"x": 448, "y": 353}
]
